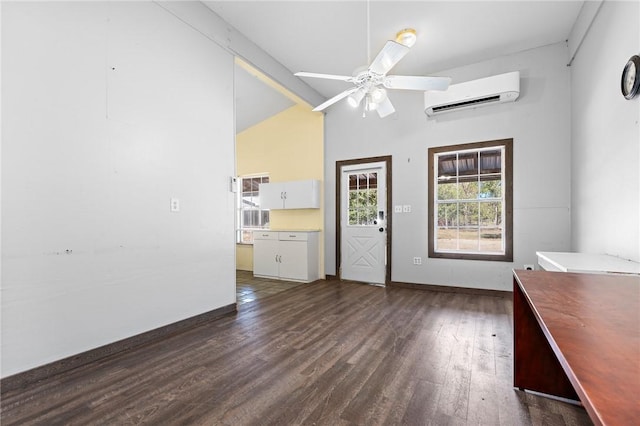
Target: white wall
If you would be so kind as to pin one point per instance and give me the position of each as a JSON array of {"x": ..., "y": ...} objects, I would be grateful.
[
  {"x": 539, "y": 123},
  {"x": 605, "y": 147},
  {"x": 109, "y": 110}
]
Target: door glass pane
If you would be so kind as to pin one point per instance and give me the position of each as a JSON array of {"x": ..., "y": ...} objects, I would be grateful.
[{"x": 363, "y": 198}]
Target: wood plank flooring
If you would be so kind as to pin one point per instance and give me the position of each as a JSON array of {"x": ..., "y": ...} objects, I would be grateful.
[
  {"x": 327, "y": 353},
  {"x": 250, "y": 288}
]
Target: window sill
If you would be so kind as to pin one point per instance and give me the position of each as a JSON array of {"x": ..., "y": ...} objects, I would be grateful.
[{"x": 508, "y": 257}]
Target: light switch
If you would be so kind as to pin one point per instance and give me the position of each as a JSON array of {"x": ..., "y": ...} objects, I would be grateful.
[{"x": 175, "y": 205}]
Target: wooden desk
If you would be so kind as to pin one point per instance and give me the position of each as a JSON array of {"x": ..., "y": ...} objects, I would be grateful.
[{"x": 578, "y": 336}]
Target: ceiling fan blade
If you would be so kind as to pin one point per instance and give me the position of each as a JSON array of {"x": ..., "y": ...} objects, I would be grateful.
[
  {"x": 325, "y": 76},
  {"x": 335, "y": 99},
  {"x": 388, "y": 57},
  {"x": 385, "y": 108},
  {"x": 408, "y": 82}
]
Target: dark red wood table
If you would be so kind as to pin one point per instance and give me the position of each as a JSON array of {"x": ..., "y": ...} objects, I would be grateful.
[{"x": 577, "y": 336}]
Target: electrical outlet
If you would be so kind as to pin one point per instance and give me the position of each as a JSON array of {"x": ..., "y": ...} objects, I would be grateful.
[
  {"x": 406, "y": 208},
  {"x": 397, "y": 209},
  {"x": 417, "y": 261},
  {"x": 175, "y": 205}
]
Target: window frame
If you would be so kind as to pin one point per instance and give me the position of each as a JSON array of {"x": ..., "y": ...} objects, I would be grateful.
[
  {"x": 507, "y": 206},
  {"x": 239, "y": 210}
]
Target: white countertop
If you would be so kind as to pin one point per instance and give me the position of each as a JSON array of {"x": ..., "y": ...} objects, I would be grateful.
[
  {"x": 289, "y": 230},
  {"x": 586, "y": 262}
]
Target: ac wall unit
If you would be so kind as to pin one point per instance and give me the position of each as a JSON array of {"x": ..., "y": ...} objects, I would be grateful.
[{"x": 472, "y": 94}]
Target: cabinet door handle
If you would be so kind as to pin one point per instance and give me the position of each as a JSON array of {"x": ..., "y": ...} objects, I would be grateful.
[
  {"x": 276, "y": 258},
  {"x": 285, "y": 195}
]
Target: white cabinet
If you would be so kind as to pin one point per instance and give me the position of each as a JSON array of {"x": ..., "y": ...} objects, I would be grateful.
[
  {"x": 266, "y": 243},
  {"x": 286, "y": 255},
  {"x": 298, "y": 194},
  {"x": 271, "y": 196}
]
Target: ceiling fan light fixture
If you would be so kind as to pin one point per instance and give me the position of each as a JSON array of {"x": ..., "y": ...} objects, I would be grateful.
[
  {"x": 378, "y": 95},
  {"x": 371, "y": 104},
  {"x": 407, "y": 37},
  {"x": 354, "y": 99}
]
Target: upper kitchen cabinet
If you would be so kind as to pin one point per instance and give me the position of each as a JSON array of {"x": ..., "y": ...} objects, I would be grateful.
[{"x": 299, "y": 194}]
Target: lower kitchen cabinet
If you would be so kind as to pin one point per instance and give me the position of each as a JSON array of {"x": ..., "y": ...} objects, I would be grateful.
[{"x": 286, "y": 255}]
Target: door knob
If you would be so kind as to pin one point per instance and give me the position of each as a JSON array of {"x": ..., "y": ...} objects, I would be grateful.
[{"x": 381, "y": 229}]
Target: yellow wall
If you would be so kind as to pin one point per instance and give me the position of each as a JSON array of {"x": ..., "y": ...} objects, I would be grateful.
[{"x": 287, "y": 146}]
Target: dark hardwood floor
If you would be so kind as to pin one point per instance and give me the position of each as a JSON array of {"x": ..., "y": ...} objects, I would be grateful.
[
  {"x": 327, "y": 353},
  {"x": 250, "y": 288}
]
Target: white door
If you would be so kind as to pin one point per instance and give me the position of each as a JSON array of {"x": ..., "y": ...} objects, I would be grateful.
[{"x": 363, "y": 230}]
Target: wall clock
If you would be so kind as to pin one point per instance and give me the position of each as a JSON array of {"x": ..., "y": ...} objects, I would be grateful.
[{"x": 630, "y": 82}]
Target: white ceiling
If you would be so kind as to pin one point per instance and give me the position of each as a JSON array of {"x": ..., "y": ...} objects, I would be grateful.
[
  {"x": 255, "y": 101},
  {"x": 331, "y": 36}
]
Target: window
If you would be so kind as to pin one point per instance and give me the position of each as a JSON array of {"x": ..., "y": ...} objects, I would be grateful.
[
  {"x": 363, "y": 198},
  {"x": 250, "y": 216},
  {"x": 470, "y": 201}
]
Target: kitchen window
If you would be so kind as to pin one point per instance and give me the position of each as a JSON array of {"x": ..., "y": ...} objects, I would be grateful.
[{"x": 250, "y": 216}]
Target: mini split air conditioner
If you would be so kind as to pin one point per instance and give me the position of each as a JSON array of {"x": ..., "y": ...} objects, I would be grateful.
[{"x": 472, "y": 94}]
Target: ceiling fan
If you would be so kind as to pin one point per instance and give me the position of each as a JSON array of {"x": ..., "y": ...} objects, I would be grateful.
[{"x": 370, "y": 83}]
